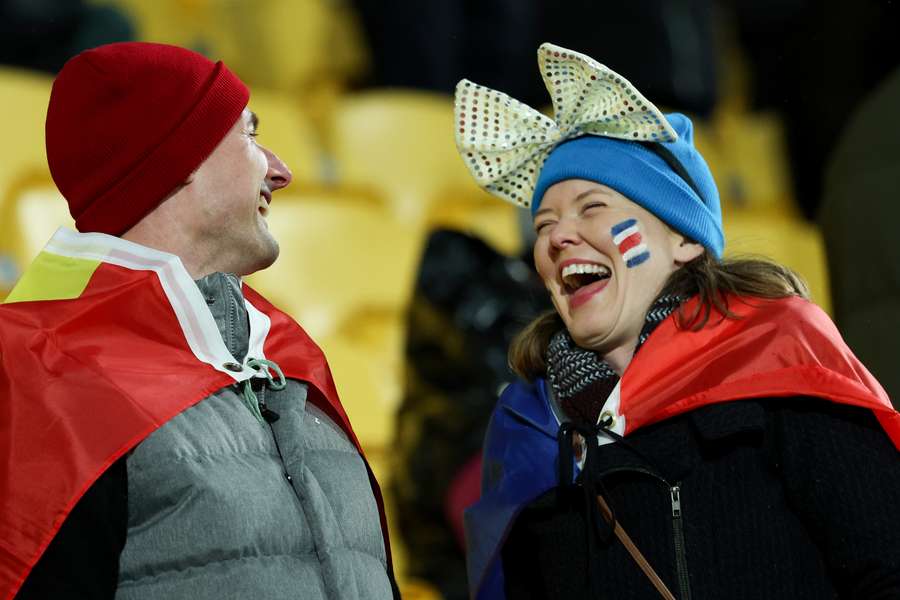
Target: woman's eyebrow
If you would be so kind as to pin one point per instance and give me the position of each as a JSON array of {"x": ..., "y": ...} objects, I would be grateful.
[
  {"x": 578, "y": 198},
  {"x": 586, "y": 193}
]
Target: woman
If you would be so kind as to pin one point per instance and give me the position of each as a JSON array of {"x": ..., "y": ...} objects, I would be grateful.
[{"x": 686, "y": 426}]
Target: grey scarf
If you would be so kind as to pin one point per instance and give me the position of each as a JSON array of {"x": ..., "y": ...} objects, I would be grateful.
[{"x": 581, "y": 380}]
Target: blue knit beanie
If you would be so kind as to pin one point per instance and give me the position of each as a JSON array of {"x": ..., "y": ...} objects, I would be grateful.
[{"x": 645, "y": 177}]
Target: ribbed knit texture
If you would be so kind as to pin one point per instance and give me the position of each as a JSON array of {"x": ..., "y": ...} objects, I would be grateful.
[
  {"x": 643, "y": 177},
  {"x": 127, "y": 123}
]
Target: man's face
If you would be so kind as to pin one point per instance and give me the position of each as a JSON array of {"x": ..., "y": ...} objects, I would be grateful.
[
  {"x": 604, "y": 260},
  {"x": 231, "y": 193}
]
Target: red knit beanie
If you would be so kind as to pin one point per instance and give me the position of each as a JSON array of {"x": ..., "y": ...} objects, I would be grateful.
[{"x": 128, "y": 123}]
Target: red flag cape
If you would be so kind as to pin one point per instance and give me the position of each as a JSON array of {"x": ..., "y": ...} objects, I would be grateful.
[
  {"x": 93, "y": 339},
  {"x": 787, "y": 347}
]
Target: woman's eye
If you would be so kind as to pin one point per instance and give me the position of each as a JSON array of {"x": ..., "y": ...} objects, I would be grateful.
[
  {"x": 592, "y": 205},
  {"x": 538, "y": 227}
]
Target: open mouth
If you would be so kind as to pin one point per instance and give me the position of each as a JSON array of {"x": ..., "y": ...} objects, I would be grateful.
[
  {"x": 265, "y": 200},
  {"x": 580, "y": 275}
]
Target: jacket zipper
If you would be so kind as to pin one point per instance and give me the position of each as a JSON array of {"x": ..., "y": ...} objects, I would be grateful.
[
  {"x": 684, "y": 582},
  {"x": 270, "y": 418}
]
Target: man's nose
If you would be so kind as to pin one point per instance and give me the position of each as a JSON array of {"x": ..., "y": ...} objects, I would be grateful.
[{"x": 278, "y": 174}]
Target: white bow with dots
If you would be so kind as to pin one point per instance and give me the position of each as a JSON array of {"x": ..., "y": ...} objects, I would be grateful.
[{"x": 504, "y": 142}]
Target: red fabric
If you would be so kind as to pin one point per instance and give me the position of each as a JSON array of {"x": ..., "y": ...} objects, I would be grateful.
[
  {"x": 129, "y": 122},
  {"x": 463, "y": 491},
  {"x": 83, "y": 381},
  {"x": 777, "y": 348}
]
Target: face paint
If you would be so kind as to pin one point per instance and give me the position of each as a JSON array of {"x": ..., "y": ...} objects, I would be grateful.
[{"x": 631, "y": 245}]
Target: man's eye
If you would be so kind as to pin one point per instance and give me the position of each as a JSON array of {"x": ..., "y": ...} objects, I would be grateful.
[
  {"x": 253, "y": 134},
  {"x": 538, "y": 227}
]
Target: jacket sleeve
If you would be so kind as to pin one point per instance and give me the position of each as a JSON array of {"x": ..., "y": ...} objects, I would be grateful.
[
  {"x": 82, "y": 561},
  {"x": 842, "y": 476}
]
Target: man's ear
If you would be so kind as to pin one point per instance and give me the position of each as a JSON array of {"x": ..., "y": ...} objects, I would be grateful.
[{"x": 685, "y": 250}]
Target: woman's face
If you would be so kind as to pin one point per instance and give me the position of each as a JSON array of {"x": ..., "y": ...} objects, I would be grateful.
[{"x": 604, "y": 260}]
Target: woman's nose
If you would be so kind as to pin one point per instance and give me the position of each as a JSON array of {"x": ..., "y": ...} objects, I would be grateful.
[
  {"x": 278, "y": 174},
  {"x": 564, "y": 234}
]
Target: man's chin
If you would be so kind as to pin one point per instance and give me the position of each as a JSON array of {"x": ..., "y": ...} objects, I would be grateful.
[
  {"x": 268, "y": 258},
  {"x": 263, "y": 258}
]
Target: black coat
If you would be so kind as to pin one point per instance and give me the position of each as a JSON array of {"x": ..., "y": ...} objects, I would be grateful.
[{"x": 788, "y": 498}]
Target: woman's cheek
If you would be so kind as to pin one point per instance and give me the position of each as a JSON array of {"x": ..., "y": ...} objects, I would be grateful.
[{"x": 627, "y": 237}]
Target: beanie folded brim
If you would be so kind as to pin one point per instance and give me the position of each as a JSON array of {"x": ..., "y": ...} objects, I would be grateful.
[{"x": 169, "y": 164}]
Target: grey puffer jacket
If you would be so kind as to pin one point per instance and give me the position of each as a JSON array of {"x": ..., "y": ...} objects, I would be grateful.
[{"x": 220, "y": 505}]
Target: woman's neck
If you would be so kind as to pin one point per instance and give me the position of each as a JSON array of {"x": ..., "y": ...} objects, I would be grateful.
[{"x": 619, "y": 358}]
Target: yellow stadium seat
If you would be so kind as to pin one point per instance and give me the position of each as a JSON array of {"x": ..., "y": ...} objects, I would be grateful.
[
  {"x": 747, "y": 154},
  {"x": 369, "y": 382},
  {"x": 292, "y": 44},
  {"x": 793, "y": 242},
  {"x": 179, "y": 22},
  {"x": 745, "y": 148},
  {"x": 369, "y": 395},
  {"x": 418, "y": 589},
  {"x": 285, "y": 130},
  {"x": 24, "y": 101},
  {"x": 29, "y": 214},
  {"x": 340, "y": 253},
  {"x": 400, "y": 142},
  {"x": 480, "y": 215},
  {"x": 275, "y": 44},
  {"x": 756, "y": 169}
]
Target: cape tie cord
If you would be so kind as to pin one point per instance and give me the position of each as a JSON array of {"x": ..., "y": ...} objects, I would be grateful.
[
  {"x": 504, "y": 142},
  {"x": 250, "y": 399}
]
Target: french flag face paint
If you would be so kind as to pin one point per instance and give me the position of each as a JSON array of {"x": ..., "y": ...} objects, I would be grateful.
[{"x": 630, "y": 242}]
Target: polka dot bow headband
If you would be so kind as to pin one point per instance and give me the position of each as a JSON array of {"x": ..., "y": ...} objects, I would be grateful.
[{"x": 505, "y": 142}]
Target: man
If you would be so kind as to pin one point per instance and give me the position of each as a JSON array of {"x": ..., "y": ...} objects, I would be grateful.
[{"x": 168, "y": 433}]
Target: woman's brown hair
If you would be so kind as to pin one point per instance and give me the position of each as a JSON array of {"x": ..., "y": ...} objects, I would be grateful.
[{"x": 709, "y": 279}]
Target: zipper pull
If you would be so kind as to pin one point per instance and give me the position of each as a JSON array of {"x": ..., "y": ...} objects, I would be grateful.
[
  {"x": 675, "y": 492},
  {"x": 269, "y": 415}
]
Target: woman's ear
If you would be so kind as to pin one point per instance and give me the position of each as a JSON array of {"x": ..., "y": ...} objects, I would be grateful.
[{"x": 685, "y": 250}]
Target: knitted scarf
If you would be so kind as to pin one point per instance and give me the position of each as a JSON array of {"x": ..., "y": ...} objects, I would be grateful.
[{"x": 580, "y": 379}]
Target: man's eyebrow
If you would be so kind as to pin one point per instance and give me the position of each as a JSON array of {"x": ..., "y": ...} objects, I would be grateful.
[{"x": 254, "y": 121}]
